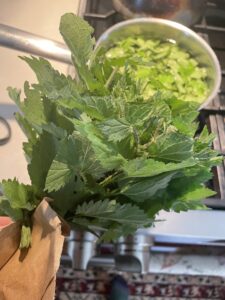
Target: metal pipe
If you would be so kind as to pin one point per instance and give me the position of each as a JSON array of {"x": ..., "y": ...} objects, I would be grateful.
[
  {"x": 106, "y": 262},
  {"x": 17, "y": 39}
]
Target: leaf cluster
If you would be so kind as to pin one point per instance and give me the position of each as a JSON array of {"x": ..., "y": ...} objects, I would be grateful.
[{"x": 108, "y": 158}]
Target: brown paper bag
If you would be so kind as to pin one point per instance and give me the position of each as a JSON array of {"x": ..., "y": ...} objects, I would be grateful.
[{"x": 30, "y": 275}]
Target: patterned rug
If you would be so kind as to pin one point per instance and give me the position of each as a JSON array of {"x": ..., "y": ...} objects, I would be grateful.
[{"x": 96, "y": 286}]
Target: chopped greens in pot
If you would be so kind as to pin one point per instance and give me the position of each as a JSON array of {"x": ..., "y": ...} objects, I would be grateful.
[{"x": 160, "y": 66}]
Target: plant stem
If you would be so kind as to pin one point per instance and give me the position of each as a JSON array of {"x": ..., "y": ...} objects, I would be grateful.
[
  {"x": 110, "y": 79},
  {"x": 109, "y": 179},
  {"x": 136, "y": 138}
]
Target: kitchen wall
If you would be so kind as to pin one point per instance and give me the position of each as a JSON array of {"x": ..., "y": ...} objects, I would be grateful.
[{"x": 39, "y": 17}]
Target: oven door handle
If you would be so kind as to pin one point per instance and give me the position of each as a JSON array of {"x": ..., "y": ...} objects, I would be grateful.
[{"x": 17, "y": 39}]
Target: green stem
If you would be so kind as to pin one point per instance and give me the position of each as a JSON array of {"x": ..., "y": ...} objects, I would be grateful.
[
  {"x": 113, "y": 194},
  {"x": 110, "y": 79},
  {"x": 109, "y": 179},
  {"x": 136, "y": 138}
]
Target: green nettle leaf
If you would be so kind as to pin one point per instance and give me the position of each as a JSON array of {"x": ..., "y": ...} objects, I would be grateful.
[
  {"x": 99, "y": 107},
  {"x": 188, "y": 187},
  {"x": 184, "y": 116},
  {"x": 173, "y": 147},
  {"x": 156, "y": 122},
  {"x": 53, "y": 84},
  {"x": 42, "y": 155},
  {"x": 151, "y": 117},
  {"x": 87, "y": 160},
  {"x": 33, "y": 107},
  {"x": 77, "y": 35},
  {"x": 20, "y": 196},
  {"x": 105, "y": 152},
  {"x": 137, "y": 112},
  {"x": 197, "y": 194},
  {"x": 30, "y": 132},
  {"x": 15, "y": 214},
  {"x": 178, "y": 107},
  {"x": 54, "y": 130},
  {"x": 140, "y": 190},
  {"x": 38, "y": 112},
  {"x": 62, "y": 168},
  {"x": 94, "y": 106},
  {"x": 203, "y": 149},
  {"x": 205, "y": 138},
  {"x": 70, "y": 195},
  {"x": 179, "y": 206},
  {"x": 116, "y": 130},
  {"x": 192, "y": 199},
  {"x": 56, "y": 115},
  {"x": 110, "y": 211},
  {"x": 58, "y": 175},
  {"x": 183, "y": 126},
  {"x": 141, "y": 167},
  {"x": 197, "y": 175},
  {"x": 74, "y": 157},
  {"x": 14, "y": 94}
]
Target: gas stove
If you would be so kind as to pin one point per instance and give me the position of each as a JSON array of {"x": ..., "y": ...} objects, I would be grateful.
[
  {"x": 101, "y": 15},
  {"x": 213, "y": 27},
  {"x": 199, "y": 228}
]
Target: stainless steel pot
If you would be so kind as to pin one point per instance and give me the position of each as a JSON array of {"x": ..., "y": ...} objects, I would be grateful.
[
  {"x": 153, "y": 28},
  {"x": 186, "y": 12}
]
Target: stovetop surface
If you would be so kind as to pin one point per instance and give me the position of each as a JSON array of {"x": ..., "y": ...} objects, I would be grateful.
[{"x": 101, "y": 15}]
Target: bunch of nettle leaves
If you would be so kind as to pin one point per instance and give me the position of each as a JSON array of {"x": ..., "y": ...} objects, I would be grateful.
[{"x": 108, "y": 159}]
